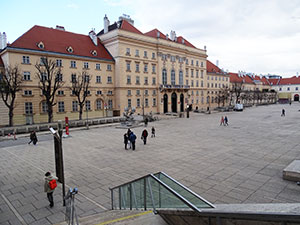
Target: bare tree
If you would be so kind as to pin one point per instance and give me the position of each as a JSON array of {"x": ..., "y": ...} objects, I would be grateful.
[
  {"x": 10, "y": 83},
  {"x": 50, "y": 80},
  {"x": 80, "y": 88},
  {"x": 236, "y": 90},
  {"x": 223, "y": 96}
]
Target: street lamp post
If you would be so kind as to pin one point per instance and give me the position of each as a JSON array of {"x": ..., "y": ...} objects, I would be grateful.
[{"x": 87, "y": 116}]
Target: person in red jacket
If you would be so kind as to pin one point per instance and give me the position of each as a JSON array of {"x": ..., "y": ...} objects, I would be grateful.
[
  {"x": 47, "y": 188},
  {"x": 144, "y": 136}
]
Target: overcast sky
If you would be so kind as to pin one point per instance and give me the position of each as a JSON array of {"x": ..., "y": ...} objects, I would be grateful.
[{"x": 258, "y": 36}]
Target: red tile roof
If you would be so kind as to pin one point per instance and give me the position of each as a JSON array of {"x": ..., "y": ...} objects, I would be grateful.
[
  {"x": 234, "y": 78},
  {"x": 274, "y": 81},
  {"x": 179, "y": 40},
  {"x": 128, "y": 27},
  {"x": 58, "y": 41},
  {"x": 247, "y": 79},
  {"x": 153, "y": 33},
  {"x": 212, "y": 68},
  {"x": 291, "y": 80}
]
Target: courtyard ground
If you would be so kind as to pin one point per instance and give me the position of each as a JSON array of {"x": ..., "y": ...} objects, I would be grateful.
[{"x": 239, "y": 163}]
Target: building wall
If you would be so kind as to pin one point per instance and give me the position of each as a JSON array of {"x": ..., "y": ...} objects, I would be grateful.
[
  {"x": 290, "y": 89},
  {"x": 38, "y": 116}
]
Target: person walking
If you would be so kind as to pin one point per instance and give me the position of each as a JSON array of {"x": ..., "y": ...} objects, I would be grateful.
[
  {"x": 146, "y": 122},
  {"x": 125, "y": 140},
  {"x": 153, "y": 132},
  {"x": 222, "y": 121},
  {"x": 128, "y": 135},
  {"x": 132, "y": 139},
  {"x": 226, "y": 121},
  {"x": 33, "y": 138},
  {"x": 49, "y": 187},
  {"x": 283, "y": 112},
  {"x": 144, "y": 136}
]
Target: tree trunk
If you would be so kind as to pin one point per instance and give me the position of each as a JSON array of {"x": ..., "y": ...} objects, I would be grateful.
[
  {"x": 50, "y": 114},
  {"x": 11, "y": 115},
  {"x": 80, "y": 111}
]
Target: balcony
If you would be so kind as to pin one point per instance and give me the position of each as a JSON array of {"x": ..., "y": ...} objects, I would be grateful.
[{"x": 163, "y": 87}]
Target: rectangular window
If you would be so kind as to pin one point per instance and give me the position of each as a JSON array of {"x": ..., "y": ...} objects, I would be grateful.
[
  {"x": 87, "y": 105},
  {"x": 197, "y": 63},
  {"x": 197, "y": 83},
  {"x": 108, "y": 67},
  {"x": 154, "y": 92},
  {"x": 99, "y": 92},
  {"x": 44, "y": 77},
  {"x": 153, "y": 68},
  {"x": 288, "y": 88},
  {"x": 186, "y": 72},
  {"x": 138, "y": 92},
  {"x": 109, "y": 93},
  {"x": 60, "y": 92},
  {"x": 98, "y": 79},
  {"x": 73, "y": 78},
  {"x": 137, "y": 53},
  {"x": 44, "y": 107},
  {"x": 98, "y": 66},
  {"x": 73, "y": 64},
  {"x": 28, "y": 92},
  {"x": 172, "y": 58},
  {"x": 145, "y": 54},
  {"x": 192, "y": 83},
  {"x": 192, "y": 62},
  {"x": 129, "y": 103},
  {"x": 127, "y": 66},
  {"x": 87, "y": 78},
  {"x": 74, "y": 106},
  {"x": 192, "y": 73},
  {"x": 59, "y": 63},
  {"x": 127, "y": 51},
  {"x": 128, "y": 92},
  {"x": 59, "y": 77},
  {"x": 109, "y": 80},
  {"x": 154, "y": 101},
  {"x": 28, "y": 108},
  {"x": 197, "y": 73},
  {"x": 296, "y": 88},
  {"x": 146, "y": 68},
  {"x": 137, "y": 67},
  {"x": 153, "y": 80},
  {"x": 137, "y": 80},
  {"x": 138, "y": 102},
  {"x": 146, "y": 92},
  {"x": 146, "y": 80},
  {"x": 186, "y": 82},
  {"x": 61, "y": 106},
  {"x": 208, "y": 85},
  {"x": 128, "y": 79},
  {"x": 110, "y": 103},
  {"x": 187, "y": 62},
  {"x": 26, "y": 60},
  {"x": 43, "y": 60},
  {"x": 26, "y": 75},
  {"x": 201, "y": 64},
  {"x": 146, "y": 102},
  {"x": 202, "y": 73},
  {"x": 88, "y": 92},
  {"x": 98, "y": 104},
  {"x": 153, "y": 55},
  {"x": 85, "y": 65}
]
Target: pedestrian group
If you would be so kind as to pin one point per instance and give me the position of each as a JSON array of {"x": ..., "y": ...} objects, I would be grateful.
[
  {"x": 224, "y": 121},
  {"x": 130, "y": 138}
]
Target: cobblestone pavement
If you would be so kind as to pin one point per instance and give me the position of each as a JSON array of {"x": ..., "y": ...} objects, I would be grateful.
[{"x": 239, "y": 163}]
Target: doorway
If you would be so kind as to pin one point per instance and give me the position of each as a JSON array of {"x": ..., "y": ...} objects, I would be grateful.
[
  {"x": 174, "y": 102},
  {"x": 165, "y": 103},
  {"x": 181, "y": 103}
]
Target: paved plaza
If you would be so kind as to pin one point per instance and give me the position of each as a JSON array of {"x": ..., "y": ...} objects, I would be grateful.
[{"x": 239, "y": 163}]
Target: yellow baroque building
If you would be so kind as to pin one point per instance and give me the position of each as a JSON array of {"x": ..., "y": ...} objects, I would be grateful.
[{"x": 150, "y": 72}]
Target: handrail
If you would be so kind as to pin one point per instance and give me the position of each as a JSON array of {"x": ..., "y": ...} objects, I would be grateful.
[
  {"x": 130, "y": 181},
  {"x": 186, "y": 188}
]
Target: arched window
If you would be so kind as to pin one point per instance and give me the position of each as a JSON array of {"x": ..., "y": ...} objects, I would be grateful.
[
  {"x": 180, "y": 77},
  {"x": 207, "y": 99},
  {"x": 164, "y": 76},
  {"x": 173, "y": 77}
]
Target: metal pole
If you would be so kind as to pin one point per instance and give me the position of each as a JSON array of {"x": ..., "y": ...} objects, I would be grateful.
[
  {"x": 145, "y": 194},
  {"x": 87, "y": 116},
  {"x": 130, "y": 196},
  {"x": 61, "y": 162},
  {"x": 112, "y": 198}
]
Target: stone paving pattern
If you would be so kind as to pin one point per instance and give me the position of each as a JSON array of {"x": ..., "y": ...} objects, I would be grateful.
[{"x": 239, "y": 163}]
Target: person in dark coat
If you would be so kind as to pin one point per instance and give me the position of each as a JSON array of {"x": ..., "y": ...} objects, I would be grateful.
[
  {"x": 153, "y": 132},
  {"x": 33, "y": 138},
  {"x": 144, "y": 136},
  {"x": 125, "y": 140},
  {"x": 283, "y": 112},
  {"x": 132, "y": 139},
  {"x": 146, "y": 122},
  {"x": 226, "y": 120}
]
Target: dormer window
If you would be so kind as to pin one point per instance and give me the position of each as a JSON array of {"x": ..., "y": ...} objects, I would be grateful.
[
  {"x": 94, "y": 53},
  {"x": 70, "y": 49},
  {"x": 41, "y": 45}
]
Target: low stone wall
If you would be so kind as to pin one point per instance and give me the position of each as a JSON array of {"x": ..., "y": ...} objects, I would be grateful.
[{"x": 45, "y": 126}]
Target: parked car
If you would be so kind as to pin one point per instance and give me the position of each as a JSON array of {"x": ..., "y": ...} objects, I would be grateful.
[{"x": 238, "y": 107}]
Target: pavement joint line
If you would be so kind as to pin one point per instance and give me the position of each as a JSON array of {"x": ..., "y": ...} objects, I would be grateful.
[
  {"x": 97, "y": 204},
  {"x": 20, "y": 218},
  {"x": 125, "y": 218}
]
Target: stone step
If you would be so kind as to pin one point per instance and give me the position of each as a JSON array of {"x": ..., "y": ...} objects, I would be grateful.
[
  {"x": 292, "y": 171},
  {"x": 122, "y": 217}
]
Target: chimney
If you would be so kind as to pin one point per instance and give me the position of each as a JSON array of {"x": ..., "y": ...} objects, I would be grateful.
[
  {"x": 167, "y": 36},
  {"x": 172, "y": 35},
  {"x": 204, "y": 47},
  {"x": 158, "y": 34},
  {"x": 217, "y": 63},
  {"x": 127, "y": 18},
  {"x": 182, "y": 41},
  {"x": 4, "y": 40},
  {"x": 0, "y": 40},
  {"x": 106, "y": 24},
  {"x": 60, "y": 28},
  {"x": 93, "y": 36}
]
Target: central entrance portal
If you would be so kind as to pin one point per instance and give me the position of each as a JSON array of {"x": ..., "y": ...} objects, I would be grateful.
[
  {"x": 165, "y": 103},
  {"x": 181, "y": 103},
  {"x": 174, "y": 102}
]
